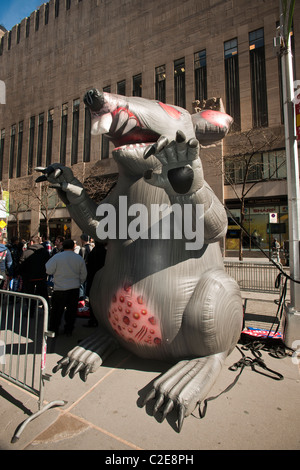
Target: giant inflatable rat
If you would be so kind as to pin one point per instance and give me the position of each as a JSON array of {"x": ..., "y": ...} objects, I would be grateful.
[{"x": 163, "y": 293}]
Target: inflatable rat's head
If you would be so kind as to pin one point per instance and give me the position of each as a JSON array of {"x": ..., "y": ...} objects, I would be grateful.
[{"x": 133, "y": 124}]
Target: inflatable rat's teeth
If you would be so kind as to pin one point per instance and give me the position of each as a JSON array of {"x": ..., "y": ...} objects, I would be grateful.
[{"x": 102, "y": 124}]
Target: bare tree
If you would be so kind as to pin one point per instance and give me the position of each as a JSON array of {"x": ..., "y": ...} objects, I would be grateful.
[
  {"x": 245, "y": 167},
  {"x": 19, "y": 202},
  {"x": 99, "y": 186},
  {"x": 45, "y": 200}
]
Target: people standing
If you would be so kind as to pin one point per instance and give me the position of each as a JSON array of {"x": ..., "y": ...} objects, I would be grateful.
[
  {"x": 84, "y": 251},
  {"x": 86, "y": 246},
  {"x": 16, "y": 250},
  {"x": 47, "y": 244},
  {"x": 76, "y": 247},
  {"x": 6, "y": 263},
  {"x": 58, "y": 245},
  {"x": 68, "y": 271},
  {"x": 32, "y": 268},
  {"x": 276, "y": 249}
]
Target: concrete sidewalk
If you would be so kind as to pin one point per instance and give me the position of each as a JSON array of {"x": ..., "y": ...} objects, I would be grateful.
[{"x": 105, "y": 412}]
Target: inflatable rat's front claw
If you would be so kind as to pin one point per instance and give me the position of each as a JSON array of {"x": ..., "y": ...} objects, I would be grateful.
[
  {"x": 60, "y": 364},
  {"x": 87, "y": 356}
]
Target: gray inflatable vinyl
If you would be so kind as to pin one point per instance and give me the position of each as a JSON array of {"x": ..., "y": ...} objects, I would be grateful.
[{"x": 163, "y": 293}]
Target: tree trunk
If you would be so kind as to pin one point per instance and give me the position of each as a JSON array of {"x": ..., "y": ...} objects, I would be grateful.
[{"x": 241, "y": 232}]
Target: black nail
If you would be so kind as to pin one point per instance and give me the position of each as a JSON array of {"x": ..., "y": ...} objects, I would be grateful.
[{"x": 150, "y": 151}]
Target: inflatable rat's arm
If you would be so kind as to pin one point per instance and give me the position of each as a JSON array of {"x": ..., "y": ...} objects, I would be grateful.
[{"x": 80, "y": 206}]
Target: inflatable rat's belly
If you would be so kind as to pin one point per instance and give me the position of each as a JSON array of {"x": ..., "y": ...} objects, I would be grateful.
[
  {"x": 142, "y": 304},
  {"x": 133, "y": 320}
]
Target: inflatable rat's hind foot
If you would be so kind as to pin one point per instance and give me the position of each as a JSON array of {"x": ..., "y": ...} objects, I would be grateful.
[
  {"x": 184, "y": 385},
  {"x": 87, "y": 356}
]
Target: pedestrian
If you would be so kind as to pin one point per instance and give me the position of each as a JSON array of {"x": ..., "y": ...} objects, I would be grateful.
[
  {"x": 68, "y": 271},
  {"x": 32, "y": 268},
  {"x": 84, "y": 251},
  {"x": 47, "y": 244},
  {"x": 276, "y": 249},
  {"x": 95, "y": 261},
  {"x": 6, "y": 263},
  {"x": 76, "y": 247},
  {"x": 15, "y": 248},
  {"x": 86, "y": 246},
  {"x": 58, "y": 245}
]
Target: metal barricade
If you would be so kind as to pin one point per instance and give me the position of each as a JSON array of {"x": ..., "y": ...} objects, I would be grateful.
[
  {"x": 254, "y": 277},
  {"x": 23, "y": 346}
]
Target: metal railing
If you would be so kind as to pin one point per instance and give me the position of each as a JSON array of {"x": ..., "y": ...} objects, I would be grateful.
[
  {"x": 255, "y": 277},
  {"x": 23, "y": 346}
]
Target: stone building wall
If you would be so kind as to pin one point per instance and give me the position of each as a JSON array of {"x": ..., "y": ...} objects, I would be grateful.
[{"x": 97, "y": 43}]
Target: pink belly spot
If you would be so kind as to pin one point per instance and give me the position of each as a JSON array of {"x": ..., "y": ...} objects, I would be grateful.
[{"x": 131, "y": 319}]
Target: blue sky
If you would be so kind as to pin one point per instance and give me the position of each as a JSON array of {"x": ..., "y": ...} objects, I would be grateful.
[{"x": 13, "y": 11}]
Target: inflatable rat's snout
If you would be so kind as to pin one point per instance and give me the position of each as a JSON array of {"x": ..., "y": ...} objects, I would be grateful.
[{"x": 94, "y": 100}]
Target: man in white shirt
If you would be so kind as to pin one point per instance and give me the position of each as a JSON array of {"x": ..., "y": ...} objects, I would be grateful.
[{"x": 69, "y": 271}]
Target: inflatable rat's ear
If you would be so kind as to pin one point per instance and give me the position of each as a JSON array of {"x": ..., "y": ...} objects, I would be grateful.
[{"x": 211, "y": 126}]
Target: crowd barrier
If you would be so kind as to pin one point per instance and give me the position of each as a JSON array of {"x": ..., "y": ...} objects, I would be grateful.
[
  {"x": 23, "y": 347},
  {"x": 255, "y": 277}
]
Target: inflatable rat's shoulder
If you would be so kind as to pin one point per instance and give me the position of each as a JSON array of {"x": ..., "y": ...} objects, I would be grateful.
[{"x": 211, "y": 126}]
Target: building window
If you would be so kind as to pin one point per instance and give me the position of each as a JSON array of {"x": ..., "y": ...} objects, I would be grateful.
[
  {"x": 18, "y": 33},
  {"x": 232, "y": 82},
  {"x": 31, "y": 144},
  {"x": 160, "y": 83},
  {"x": 27, "y": 27},
  {"x": 19, "y": 151},
  {"x": 56, "y": 8},
  {"x": 200, "y": 75},
  {"x": 258, "y": 79},
  {"x": 179, "y": 82},
  {"x": 12, "y": 151},
  {"x": 2, "y": 141},
  {"x": 37, "y": 20},
  {"x": 87, "y": 135},
  {"x": 104, "y": 138},
  {"x": 260, "y": 166},
  {"x": 274, "y": 165},
  {"x": 121, "y": 87},
  {"x": 137, "y": 85},
  {"x": 63, "y": 135},
  {"x": 49, "y": 137},
  {"x": 46, "y": 13},
  {"x": 9, "y": 41},
  {"x": 1, "y": 45},
  {"x": 39, "y": 155},
  {"x": 75, "y": 132},
  {"x": 68, "y": 4}
]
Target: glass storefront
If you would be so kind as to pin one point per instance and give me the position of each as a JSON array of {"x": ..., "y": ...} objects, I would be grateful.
[
  {"x": 262, "y": 222},
  {"x": 57, "y": 227}
]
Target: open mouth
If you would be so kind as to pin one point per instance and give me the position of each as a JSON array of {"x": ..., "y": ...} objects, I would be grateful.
[
  {"x": 134, "y": 138},
  {"x": 111, "y": 116},
  {"x": 124, "y": 129}
]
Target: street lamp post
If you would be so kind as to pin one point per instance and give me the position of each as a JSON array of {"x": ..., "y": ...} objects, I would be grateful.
[{"x": 291, "y": 319}]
